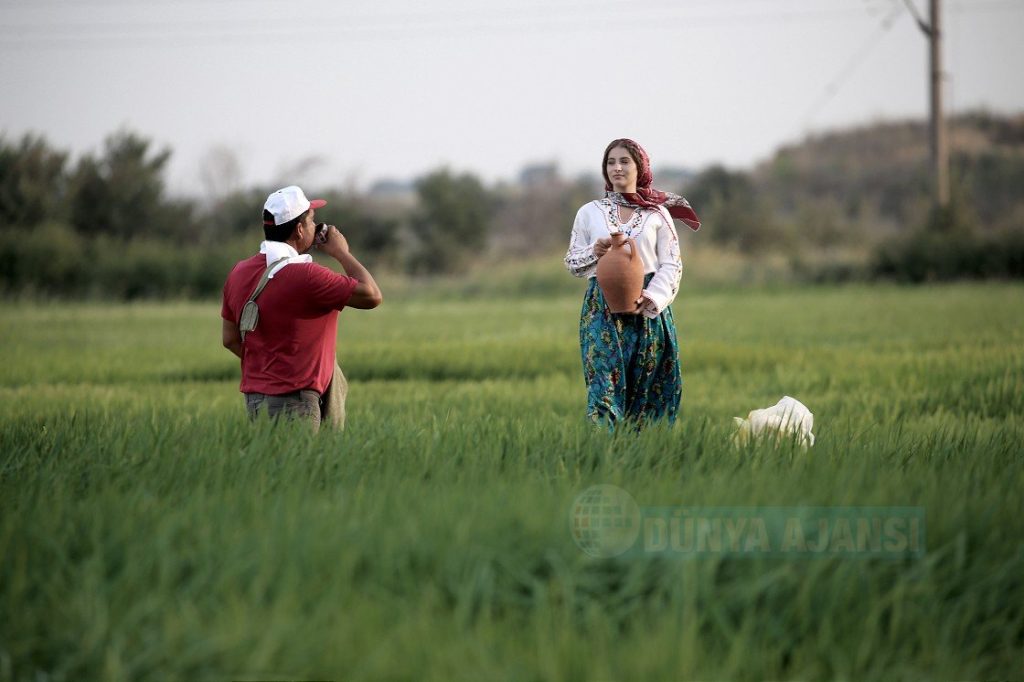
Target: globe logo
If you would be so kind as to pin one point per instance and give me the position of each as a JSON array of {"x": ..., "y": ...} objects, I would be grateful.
[{"x": 605, "y": 521}]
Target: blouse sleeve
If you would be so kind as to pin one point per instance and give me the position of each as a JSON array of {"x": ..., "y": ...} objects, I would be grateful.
[
  {"x": 662, "y": 288},
  {"x": 580, "y": 259}
]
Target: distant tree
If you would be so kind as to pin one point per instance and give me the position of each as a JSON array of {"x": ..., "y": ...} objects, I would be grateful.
[
  {"x": 532, "y": 220},
  {"x": 237, "y": 213},
  {"x": 730, "y": 206},
  {"x": 821, "y": 222},
  {"x": 370, "y": 227},
  {"x": 220, "y": 172},
  {"x": 717, "y": 182},
  {"x": 33, "y": 182},
  {"x": 302, "y": 171},
  {"x": 990, "y": 181},
  {"x": 452, "y": 221},
  {"x": 121, "y": 193}
]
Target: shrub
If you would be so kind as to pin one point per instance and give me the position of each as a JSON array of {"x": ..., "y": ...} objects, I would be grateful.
[
  {"x": 49, "y": 259},
  {"x": 925, "y": 256}
]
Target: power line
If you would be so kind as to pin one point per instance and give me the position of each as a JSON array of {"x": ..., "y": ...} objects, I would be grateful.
[
  {"x": 921, "y": 23},
  {"x": 368, "y": 28},
  {"x": 852, "y": 64},
  {"x": 372, "y": 28},
  {"x": 447, "y": 18},
  {"x": 634, "y": 7}
]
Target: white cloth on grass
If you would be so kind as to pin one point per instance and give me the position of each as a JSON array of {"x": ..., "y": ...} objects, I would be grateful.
[{"x": 787, "y": 418}]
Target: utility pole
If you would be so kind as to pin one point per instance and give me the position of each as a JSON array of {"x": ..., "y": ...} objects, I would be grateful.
[
  {"x": 939, "y": 149},
  {"x": 937, "y": 126}
]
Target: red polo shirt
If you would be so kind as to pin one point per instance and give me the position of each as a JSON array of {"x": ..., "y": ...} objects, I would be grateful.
[{"x": 293, "y": 345}]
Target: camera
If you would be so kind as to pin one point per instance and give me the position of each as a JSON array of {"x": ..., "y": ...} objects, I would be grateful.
[{"x": 320, "y": 236}]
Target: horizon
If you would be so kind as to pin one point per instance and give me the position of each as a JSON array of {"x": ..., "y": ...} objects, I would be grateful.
[
  {"x": 367, "y": 186},
  {"x": 392, "y": 91}
]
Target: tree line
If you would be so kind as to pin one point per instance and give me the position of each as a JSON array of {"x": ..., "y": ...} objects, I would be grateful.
[{"x": 104, "y": 224}]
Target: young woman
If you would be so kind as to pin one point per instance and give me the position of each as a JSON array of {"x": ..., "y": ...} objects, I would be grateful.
[{"x": 630, "y": 360}]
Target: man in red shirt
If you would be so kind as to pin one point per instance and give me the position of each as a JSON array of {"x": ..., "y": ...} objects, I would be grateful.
[{"x": 288, "y": 360}]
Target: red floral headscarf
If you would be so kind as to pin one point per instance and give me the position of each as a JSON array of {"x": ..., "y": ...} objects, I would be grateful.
[{"x": 645, "y": 195}]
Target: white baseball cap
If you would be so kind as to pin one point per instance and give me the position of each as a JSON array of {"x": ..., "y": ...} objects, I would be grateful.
[{"x": 289, "y": 203}]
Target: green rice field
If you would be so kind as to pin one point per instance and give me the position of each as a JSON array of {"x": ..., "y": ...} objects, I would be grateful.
[{"x": 148, "y": 531}]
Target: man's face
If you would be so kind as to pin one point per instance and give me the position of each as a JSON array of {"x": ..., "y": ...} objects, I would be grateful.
[{"x": 307, "y": 231}]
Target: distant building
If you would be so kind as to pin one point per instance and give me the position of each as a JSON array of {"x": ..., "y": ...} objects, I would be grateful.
[
  {"x": 538, "y": 175},
  {"x": 590, "y": 180},
  {"x": 403, "y": 191},
  {"x": 673, "y": 179}
]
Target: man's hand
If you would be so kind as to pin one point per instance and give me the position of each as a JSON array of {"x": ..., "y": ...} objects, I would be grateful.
[
  {"x": 602, "y": 245},
  {"x": 336, "y": 243},
  {"x": 231, "y": 337},
  {"x": 366, "y": 294}
]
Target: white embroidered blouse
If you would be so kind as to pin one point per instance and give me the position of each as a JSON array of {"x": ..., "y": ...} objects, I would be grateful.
[{"x": 656, "y": 240}]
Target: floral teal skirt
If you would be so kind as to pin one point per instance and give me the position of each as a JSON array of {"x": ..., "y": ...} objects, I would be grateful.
[{"x": 630, "y": 363}]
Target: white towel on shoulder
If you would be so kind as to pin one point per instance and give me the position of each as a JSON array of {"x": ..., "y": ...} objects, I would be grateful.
[{"x": 277, "y": 250}]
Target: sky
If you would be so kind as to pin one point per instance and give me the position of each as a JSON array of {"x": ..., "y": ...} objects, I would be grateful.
[{"x": 332, "y": 94}]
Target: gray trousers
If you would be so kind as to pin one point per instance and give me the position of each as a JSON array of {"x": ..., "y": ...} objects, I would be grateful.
[
  {"x": 302, "y": 405},
  {"x": 306, "y": 405}
]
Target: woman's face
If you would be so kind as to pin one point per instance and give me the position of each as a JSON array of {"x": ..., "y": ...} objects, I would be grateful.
[{"x": 622, "y": 170}]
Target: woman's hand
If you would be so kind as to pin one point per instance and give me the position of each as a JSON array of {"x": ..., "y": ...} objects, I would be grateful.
[
  {"x": 602, "y": 245},
  {"x": 639, "y": 305}
]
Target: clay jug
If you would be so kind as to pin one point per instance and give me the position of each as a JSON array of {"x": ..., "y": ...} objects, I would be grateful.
[{"x": 620, "y": 274}]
